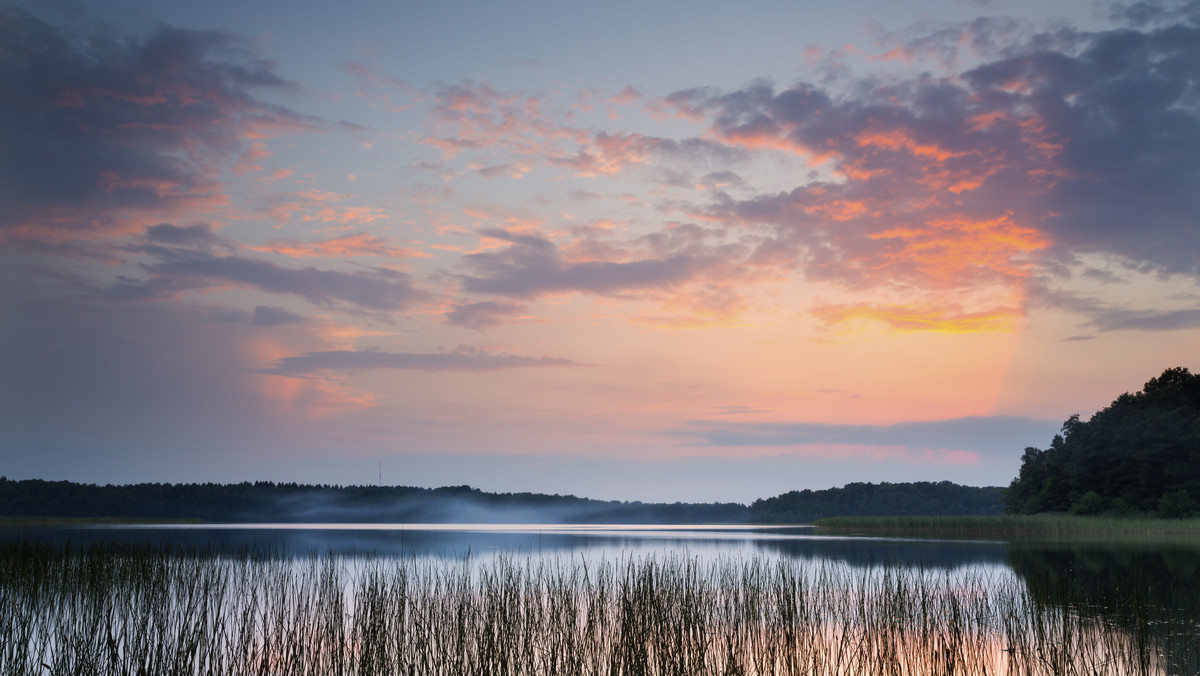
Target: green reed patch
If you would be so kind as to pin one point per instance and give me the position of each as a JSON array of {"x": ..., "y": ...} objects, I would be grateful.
[
  {"x": 1015, "y": 526},
  {"x": 116, "y": 609}
]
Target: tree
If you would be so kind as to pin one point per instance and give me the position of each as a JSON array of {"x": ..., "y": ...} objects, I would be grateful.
[
  {"x": 1128, "y": 456},
  {"x": 1176, "y": 505}
]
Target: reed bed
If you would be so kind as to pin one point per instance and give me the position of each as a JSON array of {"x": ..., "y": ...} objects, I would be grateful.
[
  {"x": 136, "y": 610},
  {"x": 1055, "y": 526}
]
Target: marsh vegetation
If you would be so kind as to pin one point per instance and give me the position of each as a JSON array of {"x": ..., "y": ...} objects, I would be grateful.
[
  {"x": 121, "y": 609},
  {"x": 1036, "y": 526}
]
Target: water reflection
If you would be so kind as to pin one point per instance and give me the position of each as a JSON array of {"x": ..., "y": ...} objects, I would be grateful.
[
  {"x": 1151, "y": 591},
  {"x": 553, "y": 541}
]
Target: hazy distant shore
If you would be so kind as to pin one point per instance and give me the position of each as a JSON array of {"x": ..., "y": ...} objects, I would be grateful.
[{"x": 267, "y": 502}]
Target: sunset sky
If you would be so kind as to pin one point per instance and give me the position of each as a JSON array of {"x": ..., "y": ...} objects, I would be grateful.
[{"x": 661, "y": 251}]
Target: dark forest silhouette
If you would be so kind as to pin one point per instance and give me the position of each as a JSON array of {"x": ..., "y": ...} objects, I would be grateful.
[
  {"x": 266, "y": 501},
  {"x": 1141, "y": 454}
]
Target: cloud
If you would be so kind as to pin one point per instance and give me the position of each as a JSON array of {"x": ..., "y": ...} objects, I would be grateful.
[
  {"x": 102, "y": 132},
  {"x": 200, "y": 236},
  {"x": 532, "y": 265},
  {"x": 1146, "y": 320},
  {"x": 1145, "y": 13},
  {"x": 508, "y": 170},
  {"x": 1088, "y": 141},
  {"x": 270, "y": 316},
  {"x": 462, "y": 358},
  {"x": 626, "y": 96},
  {"x": 476, "y": 116},
  {"x": 945, "y": 317},
  {"x": 720, "y": 180},
  {"x": 484, "y": 314},
  {"x": 613, "y": 153},
  {"x": 194, "y": 267},
  {"x": 694, "y": 274},
  {"x": 1103, "y": 317},
  {"x": 994, "y": 435},
  {"x": 342, "y": 246}
]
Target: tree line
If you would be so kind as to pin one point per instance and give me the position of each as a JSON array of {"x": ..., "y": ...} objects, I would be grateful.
[
  {"x": 266, "y": 501},
  {"x": 921, "y": 498}
]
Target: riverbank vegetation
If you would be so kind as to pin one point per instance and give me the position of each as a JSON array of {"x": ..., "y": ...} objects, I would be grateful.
[
  {"x": 119, "y": 609},
  {"x": 1055, "y": 526}
]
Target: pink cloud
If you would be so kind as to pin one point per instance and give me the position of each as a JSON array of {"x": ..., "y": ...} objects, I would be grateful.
[
  {"x": 626, "y": 96},
  {"x": 354, "y": 244}
]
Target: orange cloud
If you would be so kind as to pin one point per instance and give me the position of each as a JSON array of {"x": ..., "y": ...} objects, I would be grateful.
[
  {"x": 949, "y": 319},
  {"x": 949, "y": 250},
  {"x": 897, "y": 140},
  {"x": 355, "y": 244}
]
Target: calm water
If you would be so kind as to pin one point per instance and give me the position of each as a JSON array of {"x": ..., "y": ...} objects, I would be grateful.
[
  {"x": 1166, "y": 571},
  {"x": 540, "y": 540}
]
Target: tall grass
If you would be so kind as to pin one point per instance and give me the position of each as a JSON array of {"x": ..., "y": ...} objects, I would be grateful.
[
  {"x": 125, "y": 610},
  {"x": 1011, "y": 525}
]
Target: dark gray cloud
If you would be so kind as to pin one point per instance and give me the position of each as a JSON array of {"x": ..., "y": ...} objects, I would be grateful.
[
  {"x": 533, "y": 265},
  {"x": 1127, "y": 115},
  {"x": 1103, "y": 317},
  {"x": 461, "y": 359},
  {"x": 988, "y": 435},
  {"x": 1152, "y": 13},
  {"x": 484, "y": 314},
  {"x": 195, "y": 236},
  {"x": 267, "y": 316},
  {"x": 97, "y": 127},
  {"x": 192, "y": 265},
  {"x": 1093, "y": 139},
  {"x": 1145, "y": 320}
]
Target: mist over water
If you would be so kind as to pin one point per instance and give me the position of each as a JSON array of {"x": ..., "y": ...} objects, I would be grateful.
[{"x": 551, "y": 541}]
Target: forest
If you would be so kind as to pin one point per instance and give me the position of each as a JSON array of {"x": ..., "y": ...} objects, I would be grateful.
[
  {"x": 921, "y": 498},
  {"x": 266, "y": 501},
  {"x": 1138, "y": 455}
]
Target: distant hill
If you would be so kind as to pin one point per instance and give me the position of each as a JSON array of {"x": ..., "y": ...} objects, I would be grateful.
[
  {"x": 1140, "y": 454},
  {"x": 921, "y": 498},
  {"x": 266, "y": 501}
]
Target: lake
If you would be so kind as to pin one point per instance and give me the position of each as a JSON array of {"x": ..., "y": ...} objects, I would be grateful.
[{"x": 462, "y": 598}]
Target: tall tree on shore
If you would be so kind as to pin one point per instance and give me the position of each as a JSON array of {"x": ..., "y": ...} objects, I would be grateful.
[{"x": 1140, "y": 453}]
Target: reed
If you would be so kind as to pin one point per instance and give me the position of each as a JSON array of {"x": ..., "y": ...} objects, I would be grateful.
[
  {"x": 116, "y": 609},
  {"x": 1057, "y": 526}
]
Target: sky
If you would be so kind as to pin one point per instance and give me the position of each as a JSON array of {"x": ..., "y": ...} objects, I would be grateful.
[{"x": 638, "y": 251}]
